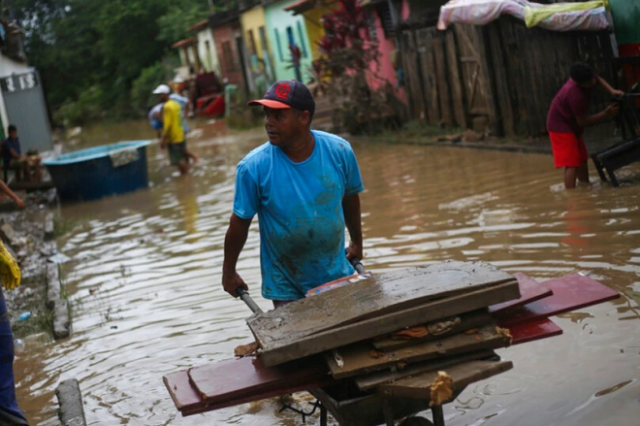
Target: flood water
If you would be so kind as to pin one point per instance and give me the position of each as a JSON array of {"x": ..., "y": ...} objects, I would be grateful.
[{"x": 144, "y": 280}]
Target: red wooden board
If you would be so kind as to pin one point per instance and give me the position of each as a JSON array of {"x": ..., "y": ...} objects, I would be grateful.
[
  {"x": 530, "y": 291},
  {"x": 570, "y": 292},
  {"x": 238, "y": 379},
  {"x": 179, "y": 387},
  {"x": 529, "y": 331}
]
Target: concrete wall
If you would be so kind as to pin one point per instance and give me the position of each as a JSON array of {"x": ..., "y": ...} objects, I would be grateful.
[
  {"x": 7, "y": 67},
  {"x": 278, "y": 21},
  {"x": 208, "y": 56}
]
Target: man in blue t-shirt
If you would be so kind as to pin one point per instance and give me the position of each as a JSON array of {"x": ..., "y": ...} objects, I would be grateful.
[{"x": 304, "y": 186}]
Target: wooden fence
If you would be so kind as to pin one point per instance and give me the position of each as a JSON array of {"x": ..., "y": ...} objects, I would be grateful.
[{"x": 499, "y": 78}]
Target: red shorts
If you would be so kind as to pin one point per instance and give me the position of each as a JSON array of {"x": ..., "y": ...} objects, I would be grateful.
[{"x": 568, "y": 150}]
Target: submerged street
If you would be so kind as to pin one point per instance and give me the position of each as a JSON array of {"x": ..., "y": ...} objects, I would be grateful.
[{"x": 145, "y": 279}]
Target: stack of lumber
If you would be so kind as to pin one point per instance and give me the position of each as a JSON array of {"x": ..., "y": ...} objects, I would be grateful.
[
  {"x": 396, "y": 325},
  {"x": 422, "y": 333}
]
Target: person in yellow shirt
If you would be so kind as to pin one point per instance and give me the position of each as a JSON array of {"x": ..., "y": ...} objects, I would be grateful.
[{"x": 173, "y": 135}]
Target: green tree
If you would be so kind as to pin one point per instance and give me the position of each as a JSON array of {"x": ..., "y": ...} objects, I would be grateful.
[{"x": 90, "y": 52}]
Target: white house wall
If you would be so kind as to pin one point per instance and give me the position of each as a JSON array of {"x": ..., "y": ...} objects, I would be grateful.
[
  {"x": 8, "y": 67},
  {"x": 208, "y": 58}
]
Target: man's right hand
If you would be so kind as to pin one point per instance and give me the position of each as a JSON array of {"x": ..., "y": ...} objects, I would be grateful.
[
  {"x": 612, "y": 110},
  {"x": 232, "y": 282}
]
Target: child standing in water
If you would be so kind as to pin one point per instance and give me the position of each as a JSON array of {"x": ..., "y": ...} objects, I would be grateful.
[{"x": 569, "y": 115}]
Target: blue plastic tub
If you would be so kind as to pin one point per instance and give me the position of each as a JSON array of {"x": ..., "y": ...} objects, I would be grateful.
[{"x": 97, "y": 172}]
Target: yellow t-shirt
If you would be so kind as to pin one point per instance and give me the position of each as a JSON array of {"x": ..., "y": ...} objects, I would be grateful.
[{"x": 172, "y": 122}]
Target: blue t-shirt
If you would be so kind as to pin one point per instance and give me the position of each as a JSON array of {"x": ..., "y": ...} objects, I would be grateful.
[
  {"x": 7, "y": 146},
  {"x": 299, "y": 207}
]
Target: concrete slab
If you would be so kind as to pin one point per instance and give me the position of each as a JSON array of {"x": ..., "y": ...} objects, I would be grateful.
[{"x": 71, "y": 410}]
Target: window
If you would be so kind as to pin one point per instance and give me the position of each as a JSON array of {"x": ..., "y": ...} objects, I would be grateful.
[
  {"x": 252, "y": 42},
  {"x": 207, "y": 48},
  {"x": 227, "y": 57},
  {"x": 290, "y": 38},
  {"x": 301, "y": 37},
  {"x": 263, "y": 39},
  {"x": 279, "y": 45}
]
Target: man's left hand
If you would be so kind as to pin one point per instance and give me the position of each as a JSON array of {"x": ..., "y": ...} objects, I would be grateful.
[
  {"x": 355, "y": 252},
  {"x": 616, "y": 92}
]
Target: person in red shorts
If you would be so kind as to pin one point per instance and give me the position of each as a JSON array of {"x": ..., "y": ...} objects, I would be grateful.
[{"x": 569, "y": 115}]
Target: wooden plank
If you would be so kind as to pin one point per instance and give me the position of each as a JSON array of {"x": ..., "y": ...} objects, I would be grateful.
[
  {"x": 499, "y": 70},
  {"x": 413, "y": 80},
  {"x": 570, "y": 292},
  {"x": 360, "y": 358},
  {"x": 457, "y": 91},
  {"x": 284, "y": 351},
  {"x": 467, "y": 320},
  {"x": 428, "y": 70},
  {"x": 204, "y": 406},
  {"x": 370, "y": 298},
  {"x": 529, "y": 331},
  {"x": 184, "y": 396},
  {"x": 462, "y": 375},
  {"x": 487, "y": 80},
  {"x": 443, "y": 82},
  {"x": 241, "y": 378},
  {"x": 530, "y": 291},
  {"x": 373, "y": 380}
]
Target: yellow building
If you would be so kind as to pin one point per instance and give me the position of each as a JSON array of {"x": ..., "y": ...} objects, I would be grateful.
[
  {"x": 254, "y": 34},
  {"x": 312, "y": 11}
]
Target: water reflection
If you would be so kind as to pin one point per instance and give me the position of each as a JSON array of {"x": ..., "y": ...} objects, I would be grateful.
[{"x": 145, "y": 281}]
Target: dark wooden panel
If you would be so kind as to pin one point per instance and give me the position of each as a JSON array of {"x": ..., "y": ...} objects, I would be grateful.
[
  {"x": 412, "y": 77},
  {"x": 424, "y": 39},
  {"x": 462, "y": 375},
  {"x": 316, "y": 343},
  {"x": 457, "y": 91},
  {"x": 503, "y": 96},
  {"x": 372, "y": 297},
  {"x": 467, "y": 321},
  {"x": 360, "y": 359},
  {"x": 442, "y": 78},
  {"x": 487, "y": 80},
  {"x": 373, "y": 380}
]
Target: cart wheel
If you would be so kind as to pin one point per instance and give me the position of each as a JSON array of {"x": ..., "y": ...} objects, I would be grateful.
[{"x": 416, "y": 421}]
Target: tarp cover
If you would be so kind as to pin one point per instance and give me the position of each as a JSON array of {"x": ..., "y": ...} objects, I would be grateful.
[{"x": 588, "y": 16}]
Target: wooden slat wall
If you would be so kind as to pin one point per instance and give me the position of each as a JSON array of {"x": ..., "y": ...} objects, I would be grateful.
[
  {"x": 500, "y": 77},
  {"x": 413, "y": 78}
]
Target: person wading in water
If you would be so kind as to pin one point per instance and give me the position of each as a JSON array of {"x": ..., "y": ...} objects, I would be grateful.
[{"x": 304, "y": 185}]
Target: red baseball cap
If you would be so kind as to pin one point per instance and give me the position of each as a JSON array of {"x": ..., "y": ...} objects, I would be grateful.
[{"x": 287, "y": 94}]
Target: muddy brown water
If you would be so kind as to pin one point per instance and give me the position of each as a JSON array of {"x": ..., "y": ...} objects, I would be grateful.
[{"x": 145, "y": 280}]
